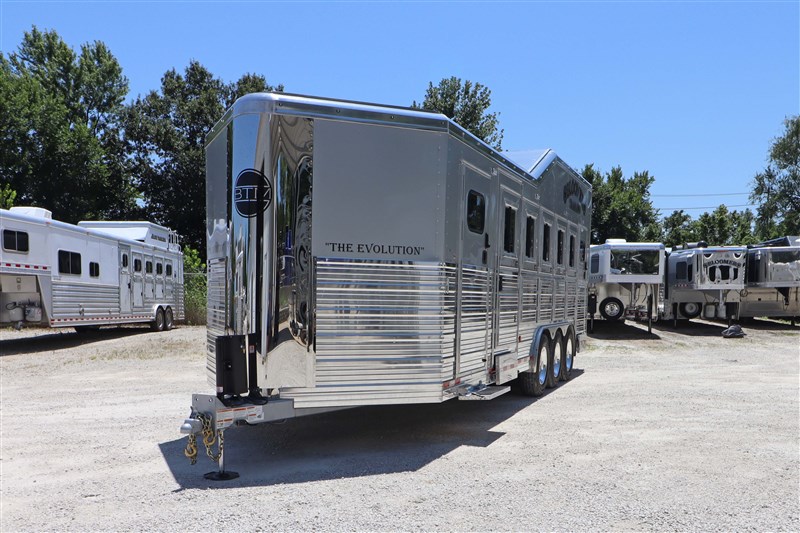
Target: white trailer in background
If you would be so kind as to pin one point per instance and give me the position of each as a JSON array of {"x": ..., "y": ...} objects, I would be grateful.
[
  {"x": 626, "y": 280},
  {"x": 704, "y": 281},
  {"x": 94, "y": 274},
  {"x": 773, "y": 280}
]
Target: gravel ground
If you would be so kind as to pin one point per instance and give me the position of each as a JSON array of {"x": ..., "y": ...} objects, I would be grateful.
[{"x": 684, "y": 430}]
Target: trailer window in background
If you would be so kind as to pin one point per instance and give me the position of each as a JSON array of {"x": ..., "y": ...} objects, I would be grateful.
[
  {"x": 635, "y": 262},
  {"x": 94, "y": 269},
  {"x": 476, "y": 211},
  {"x": 148, "y": 267},
  {"x": 159, "y": 268},
  {"x": 546, "y": 243},
  {"x": 137, "y": 265},
  {"x": 582, "y": 251},
  {"x": 15, "y": 241},
  {"x": 124, "y": 260},
  {"x": 169, "y": 268},
  {"x": 560, "y": 248},
  {"x": 530, "y": 231},
  {"x": 594, "y": 264},
  {"x": 69, "y": 262},
  {"x": 680, "y": 270},
  {"x": 572, "y": 250},
  {"x": 510, "y": 230}
]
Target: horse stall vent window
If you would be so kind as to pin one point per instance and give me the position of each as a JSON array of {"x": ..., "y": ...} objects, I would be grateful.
[
  {"x": 15, "y": 241},
  {"x": 476, "y": 211},
  {"x": 572, "y": 250},
  {"x": 169, "y": 269},
  {"x": 69, "y": 262},
  {"x": 530, "y": 231},
  {"x": 583, "y": 251},
  {"x": 94, "y": 269},
  {"x": 137, "y": 265},
  {"x": 560, "y": 248},
  {"x": 510, "y": 230},
  {"x": 159, "y": 268},
  {"x": 124, "y": 260},
  {"x": 148, "y": 267},
  {"x": 546, "y": 243}
]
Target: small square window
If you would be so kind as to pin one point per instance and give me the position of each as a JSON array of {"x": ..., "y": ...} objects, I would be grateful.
[
  {"x": 69, "y": 262},
  {"x": 476, "y": 212},
  {"x": 15, "y": 241},
  {"x": 94, "y": 269}
]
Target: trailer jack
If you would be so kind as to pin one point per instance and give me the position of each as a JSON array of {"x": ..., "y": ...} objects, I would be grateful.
[{"x": 199, "y": 423}]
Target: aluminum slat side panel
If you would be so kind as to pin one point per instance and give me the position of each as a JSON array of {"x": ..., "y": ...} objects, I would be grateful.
[
  {"x": 475, "y": 327},
  {"x": 84, "y": 300},
  {"x": 508, "y": 310},
  {"x": 384, "y": 333},
  {"x": 216, "y": 313}
]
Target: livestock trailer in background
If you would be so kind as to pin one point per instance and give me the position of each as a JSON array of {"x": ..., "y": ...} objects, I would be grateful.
[
  {"x": 626, "y": 280},
  {"x": 361, "y": 254},
  {"x": 704, "y": 280},
  {"x": 773, "y": 279},
  {"x": 94, "y": 274}
]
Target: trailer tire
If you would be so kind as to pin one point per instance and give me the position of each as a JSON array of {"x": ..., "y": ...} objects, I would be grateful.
[
  {"x": 85, "y": 330},
  {"x": 556, "y": 357},
  {"x": 691, "y": 309},
  {"x": 158, "y": 323},
  {"x": 530, "y": 382},
  {"x": 169, "y": 319},
  {"x": 568, "y": 360},
  {"x": 612, "y": 309}
]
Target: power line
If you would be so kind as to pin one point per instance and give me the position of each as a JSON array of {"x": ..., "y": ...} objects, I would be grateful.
[
  {"x": 692, "y": 195},
  {"x": 704, "y": 207}
]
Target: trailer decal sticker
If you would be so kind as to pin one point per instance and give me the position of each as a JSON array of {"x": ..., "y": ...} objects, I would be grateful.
[
  {"x": 246, "y": 192},
  {"x": 375, "y": 248}
]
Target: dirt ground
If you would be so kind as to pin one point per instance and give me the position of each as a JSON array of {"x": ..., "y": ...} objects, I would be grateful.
[{"x": 681, "y": 430}]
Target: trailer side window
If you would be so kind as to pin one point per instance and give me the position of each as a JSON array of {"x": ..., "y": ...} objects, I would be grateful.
[
  {"x": 69, "y": 262},
  {"x": 583, "y": 251},
  {"x": 94, "y": 269},
  {"x": 530, "y": 231},
  {"x": 510, "y": 230},
  {"x": 560, "y": 247},
  {"x": 169, "y": 269},
  {"x": 148, "y": 267},
  {"x": 15, "y": 241},
  {"x": 137, "y": 265},
  {"x": 476, "y": 211},
  {"x": 680, "y": 270},
  {"x": 159, "y": 268},
  {"x": 572, "y": 250},
  {"x": 594, "y": 263},
  {"x": 546, "y": 243},
  {"x": 124, "y": 260}
]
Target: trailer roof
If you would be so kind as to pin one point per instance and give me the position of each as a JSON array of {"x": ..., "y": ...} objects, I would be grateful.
[
  {"x": 314, "y": 106},
  {"x": 628, "y": 246}
]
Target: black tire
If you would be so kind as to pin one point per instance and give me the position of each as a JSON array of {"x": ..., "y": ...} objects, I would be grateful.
[
  {"x": 691, "y": 309},
  {"x": 169, "y": 319},
  {"x": 158, "y": 323},
  {"x": 568, "y": 358},
  {"x": 530, "y": 382},
  {"x": 556, "y": 357},
  {"x": 86, "y": 330},
  {"x": 612, "y": 309}
]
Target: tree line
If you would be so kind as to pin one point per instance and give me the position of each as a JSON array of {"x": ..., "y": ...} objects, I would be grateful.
[{"x": 71, "y": 144}]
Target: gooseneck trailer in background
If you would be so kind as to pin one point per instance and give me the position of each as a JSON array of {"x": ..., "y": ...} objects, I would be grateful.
[
  {"x": 90, "y": 275},
  {"x": 361, "y": 254},
  {"x": 773, "y": 280}
]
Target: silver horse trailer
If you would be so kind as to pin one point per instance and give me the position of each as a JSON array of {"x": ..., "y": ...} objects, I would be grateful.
[
  {"x": 704, "y": 280},
  {"x": 94, "y": 274},
  {"x": 773, "y": 279},
  {"x": 626, "y": 280},
  {"x": 361, "y": 254}
]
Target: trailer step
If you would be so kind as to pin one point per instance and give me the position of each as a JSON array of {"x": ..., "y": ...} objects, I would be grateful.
[{"x": 486, "y": 393}]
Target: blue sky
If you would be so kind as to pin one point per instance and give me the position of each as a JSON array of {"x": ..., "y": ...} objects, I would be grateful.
[{"x": 691, "y": 91}]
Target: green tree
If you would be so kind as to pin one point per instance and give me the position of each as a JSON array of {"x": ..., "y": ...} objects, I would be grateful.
[
  {"x": 679, "y": 228},
  {"x": 7, "y": 196},
  {"x": 776, "y": 190},
  {"x": 621, "y": 208},
  {"x": 467, "y": 104},
  {"x": 59, "y": 122},
  {"x": 165, "y": 133}
]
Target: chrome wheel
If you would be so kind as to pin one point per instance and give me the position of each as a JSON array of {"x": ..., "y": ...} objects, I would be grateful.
[
  {"x": 558, "y": 345},
  {"x": 543, "y": 362},
  {"x": 570, "y": 346}
]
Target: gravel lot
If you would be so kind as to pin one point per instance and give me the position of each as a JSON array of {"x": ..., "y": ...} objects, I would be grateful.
[{"x": 684, "y": 430}]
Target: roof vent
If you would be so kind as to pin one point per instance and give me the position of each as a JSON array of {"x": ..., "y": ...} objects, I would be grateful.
[
  {"x": 616, "y": 241},
  {"x": 38, "y": 212}
]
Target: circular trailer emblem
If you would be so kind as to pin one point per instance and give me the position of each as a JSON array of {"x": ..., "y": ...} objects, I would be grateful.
[{"x": 251, "y": 193}]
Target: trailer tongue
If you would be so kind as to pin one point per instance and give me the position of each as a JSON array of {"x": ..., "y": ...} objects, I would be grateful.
[{"x": 373, "y": 255}]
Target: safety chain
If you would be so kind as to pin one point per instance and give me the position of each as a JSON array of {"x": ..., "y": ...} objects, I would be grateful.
[
  {"x": 209, "y": 437},
  {"x": 191, "y": 448}
]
